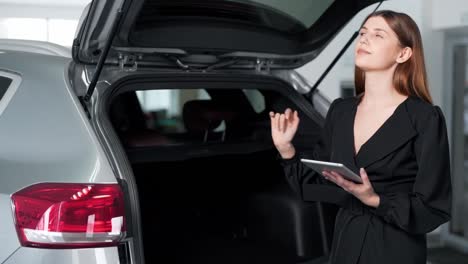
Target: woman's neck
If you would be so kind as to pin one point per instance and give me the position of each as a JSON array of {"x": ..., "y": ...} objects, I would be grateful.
[{"x": 379, "y": 89}]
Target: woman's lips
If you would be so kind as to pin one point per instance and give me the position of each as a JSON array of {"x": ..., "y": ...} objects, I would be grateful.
[{"x": 362, "y": 51}]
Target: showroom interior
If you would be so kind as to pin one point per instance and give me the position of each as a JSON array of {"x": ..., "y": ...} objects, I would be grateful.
[{"x": 444, "y": 29}]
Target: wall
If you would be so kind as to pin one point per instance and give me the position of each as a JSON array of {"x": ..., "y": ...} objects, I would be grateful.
[
  {"x": 449, "y": 14},
  {"x": 45, "y": 20}
]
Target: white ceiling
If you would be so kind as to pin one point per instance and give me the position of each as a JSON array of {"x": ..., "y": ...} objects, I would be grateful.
[
  {"x": 46, "y": 2},
  {"x": 60, "y": 9}
]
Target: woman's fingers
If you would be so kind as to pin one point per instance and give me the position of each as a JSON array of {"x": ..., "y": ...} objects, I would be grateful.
[
  {"x": 364, "y": 176},
  {"x": 277, "y": 120},
  {"x": 273, "y": 120},
  {"x": 337, "y": 179},
  {"x": 282, "y": 123},
  {"x": 287, "y": 114},
  {"x": 326, "y": 175},
  {"x": 294, "y": 120}
]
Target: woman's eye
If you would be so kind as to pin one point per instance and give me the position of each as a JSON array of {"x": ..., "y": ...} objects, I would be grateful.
[{"x": 379, "y": 36}]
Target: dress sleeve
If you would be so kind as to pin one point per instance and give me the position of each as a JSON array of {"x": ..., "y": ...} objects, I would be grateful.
[
  {"x": 298, "y": 175},
  {"x": 429, "y": 204}
]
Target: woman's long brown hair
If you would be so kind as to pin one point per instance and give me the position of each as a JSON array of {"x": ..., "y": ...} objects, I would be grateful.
[{"x": 410, "y": 77}]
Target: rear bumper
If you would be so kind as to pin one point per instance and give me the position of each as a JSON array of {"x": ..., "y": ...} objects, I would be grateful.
[{"x": 107, "y": 255}]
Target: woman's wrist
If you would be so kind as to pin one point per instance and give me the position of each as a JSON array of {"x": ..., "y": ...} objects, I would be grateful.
[
  {"x": 286, "y": 151},
  {"x": 375, "y": 201}
]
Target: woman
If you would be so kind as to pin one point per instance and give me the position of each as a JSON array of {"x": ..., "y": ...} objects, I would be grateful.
[{"x": 391, "y": 135}]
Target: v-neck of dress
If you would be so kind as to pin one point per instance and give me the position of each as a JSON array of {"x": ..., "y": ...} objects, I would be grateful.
[{"x": 356, "y": 103}]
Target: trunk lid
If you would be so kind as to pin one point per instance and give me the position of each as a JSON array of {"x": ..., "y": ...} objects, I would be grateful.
[{"x": 206, "y": 32}]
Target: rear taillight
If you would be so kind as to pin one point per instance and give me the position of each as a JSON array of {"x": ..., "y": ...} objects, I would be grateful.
[{"x": 63, "y": 215}]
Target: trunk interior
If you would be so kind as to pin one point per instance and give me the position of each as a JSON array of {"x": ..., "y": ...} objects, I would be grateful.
[
  {"x": 212, "y": 191},
  {"x": 225, "y": 209}
]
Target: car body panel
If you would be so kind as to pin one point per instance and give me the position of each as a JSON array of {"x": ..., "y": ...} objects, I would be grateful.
[
  {"x": 44, "y": 134},
  {"x": 8, "y": 235},
  {"x": 45, "y": 137},
  {"x": 35, "y": 46}
]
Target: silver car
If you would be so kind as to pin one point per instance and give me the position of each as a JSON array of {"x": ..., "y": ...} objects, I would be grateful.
[{"x": 152, "y": 144}]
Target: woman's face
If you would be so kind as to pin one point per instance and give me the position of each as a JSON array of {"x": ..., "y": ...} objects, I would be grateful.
[{"x": 377, "y": 47}]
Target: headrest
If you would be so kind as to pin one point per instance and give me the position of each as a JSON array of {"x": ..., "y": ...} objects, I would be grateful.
[
  {"x": 204, "y": 115},
  {"x": 126, "y": 113}
]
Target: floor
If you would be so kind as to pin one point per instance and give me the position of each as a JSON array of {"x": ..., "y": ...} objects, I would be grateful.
[
  {"x": 445, "y": 255},
  {"x": 437, "y": 253}
]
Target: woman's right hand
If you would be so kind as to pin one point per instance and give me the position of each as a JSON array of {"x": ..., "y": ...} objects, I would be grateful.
[{"x": 283, "y": 129}]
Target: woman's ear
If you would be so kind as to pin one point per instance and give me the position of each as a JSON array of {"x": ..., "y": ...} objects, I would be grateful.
[{"x": 404, "y": 55}]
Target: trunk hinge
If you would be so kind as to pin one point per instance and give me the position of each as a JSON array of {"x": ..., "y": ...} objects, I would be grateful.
[
  {"x": 263, "y": 65},
  {"x": 132, "y": 59}
]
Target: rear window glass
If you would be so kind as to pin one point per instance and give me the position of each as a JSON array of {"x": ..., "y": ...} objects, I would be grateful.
[
  {"x": 275, "y": 14},
  {"x": 184, "y": 116},
  {"x": 4, "y": 84}
]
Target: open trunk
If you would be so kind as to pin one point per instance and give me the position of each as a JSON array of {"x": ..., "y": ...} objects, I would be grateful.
[
  {"x": 210, "y": 183},
  {"x": 224, "y": 209}
]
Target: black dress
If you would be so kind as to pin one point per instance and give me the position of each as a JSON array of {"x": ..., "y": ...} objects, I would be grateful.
[{"x": 407, "y": 161}]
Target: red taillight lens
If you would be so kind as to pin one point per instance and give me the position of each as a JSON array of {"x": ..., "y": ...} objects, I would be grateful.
[{"x": 63, "y": 215}]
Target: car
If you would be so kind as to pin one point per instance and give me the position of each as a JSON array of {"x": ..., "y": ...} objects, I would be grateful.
[
  {"x": 35, "y": 46},
  {"x": 152, "y": 143}
]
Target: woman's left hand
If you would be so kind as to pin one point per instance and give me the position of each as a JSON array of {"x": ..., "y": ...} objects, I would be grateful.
[{"x": 363, "y": 191}]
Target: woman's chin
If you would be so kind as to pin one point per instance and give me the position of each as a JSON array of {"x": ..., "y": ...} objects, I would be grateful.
[
  {"x": 367, "y": 67},
  {"x": 363, "y": 66}
]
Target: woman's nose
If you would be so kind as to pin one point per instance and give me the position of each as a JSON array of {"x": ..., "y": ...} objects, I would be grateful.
[{"x": 363, "y": 40}]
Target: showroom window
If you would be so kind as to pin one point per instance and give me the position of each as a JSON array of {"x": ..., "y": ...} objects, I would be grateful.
[{"x": 59, "y": 31}]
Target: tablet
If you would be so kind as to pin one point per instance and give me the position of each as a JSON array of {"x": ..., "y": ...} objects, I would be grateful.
[{"x": 319, "y": 166}]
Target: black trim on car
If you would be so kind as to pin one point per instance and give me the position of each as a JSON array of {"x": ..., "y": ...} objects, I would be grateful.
[{"x": 4, "y": 85}]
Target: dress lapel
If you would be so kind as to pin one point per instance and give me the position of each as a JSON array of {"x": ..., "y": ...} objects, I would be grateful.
[
  {"x": 343, "y": 139},
  {"x": 396, "y": 131}
]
